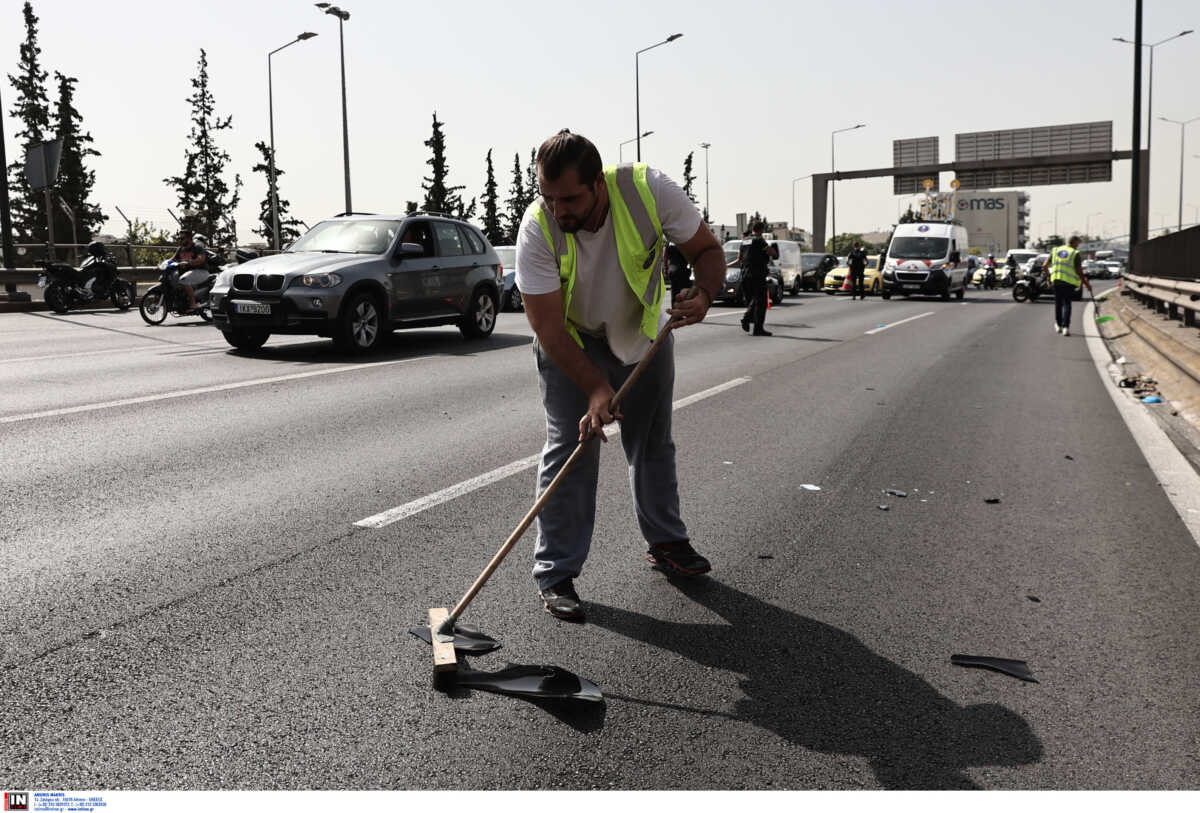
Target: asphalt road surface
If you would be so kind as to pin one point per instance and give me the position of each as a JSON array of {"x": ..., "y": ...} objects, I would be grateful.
[{"x": 189, "y": 604}]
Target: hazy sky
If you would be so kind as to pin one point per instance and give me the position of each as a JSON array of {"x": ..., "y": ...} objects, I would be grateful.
[{"x": 764, "y": 82}]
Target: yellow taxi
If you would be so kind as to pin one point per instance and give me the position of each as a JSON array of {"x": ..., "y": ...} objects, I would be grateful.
[{"x": 836, "y": 282}]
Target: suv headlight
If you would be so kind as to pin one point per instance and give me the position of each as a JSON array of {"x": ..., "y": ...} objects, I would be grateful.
[{"x": 326, "y": 279}]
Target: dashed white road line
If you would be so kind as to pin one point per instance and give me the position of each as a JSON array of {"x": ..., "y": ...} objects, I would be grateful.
[
  {"x": 1179, "y": 480},
  {"x": 457, "y": 490},
  {"x": 167, "y": 396},
  {"x": 873, "y": 331}
]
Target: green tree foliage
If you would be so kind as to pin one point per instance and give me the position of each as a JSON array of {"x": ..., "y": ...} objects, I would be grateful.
[
  {"x": 439, "y": 196},
  {"x": 911, "y": 216},
  {"x": 201, "y": 190},
  {"x": 516, "y": 204},
  {"x": 533, "y": 189},
  {"x": 689, "y": 178},
  {"x": 75, "y": 180},
  {"x": 32, "y": 109},
  {"x": 842, "y": 243},
  {"x": 288, "y": 226},
  {"x": 1050, "y": 243},
  {"x": 491, "y": 206},
  {"x": 144, "y": 233}
]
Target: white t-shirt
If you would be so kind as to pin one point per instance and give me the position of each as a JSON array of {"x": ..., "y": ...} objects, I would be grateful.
[{"x": 602, "y": 303}]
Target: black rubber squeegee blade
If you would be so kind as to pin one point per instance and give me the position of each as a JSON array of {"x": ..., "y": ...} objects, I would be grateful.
[
  {"x": 466, "y": 639},
  {"x": 1017, "y": 669},
  {"x": 548, "y": 682}
]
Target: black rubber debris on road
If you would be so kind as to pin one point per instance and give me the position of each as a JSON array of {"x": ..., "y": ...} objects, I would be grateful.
[
  {"x": 466, "y": 639},
  {"x": 1068, "y": 457},
  {"x": 1034, "y": 599},
  {"x": 765, "y": 556},
  {"x": 885, "y": 508},
  {"x": 992, "y": 501},
  {"x": 1007, "y": 666},
  {"x": 895, "y": 493},
  {"x": 548, "y": 682}
]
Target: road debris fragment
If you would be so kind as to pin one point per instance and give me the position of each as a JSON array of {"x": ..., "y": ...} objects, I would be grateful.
[
  {"x": 1007, "y": 666},
  {"x": 810, "y": 487},
  {"x": 896, "y": 492},
  {"x": 992, "y": 501}
]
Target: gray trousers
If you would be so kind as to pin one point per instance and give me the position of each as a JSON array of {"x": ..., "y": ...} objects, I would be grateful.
[{"x": 564, "y": 528}]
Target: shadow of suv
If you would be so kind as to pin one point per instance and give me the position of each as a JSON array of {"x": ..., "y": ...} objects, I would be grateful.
[{"x": 356, "y": 278}]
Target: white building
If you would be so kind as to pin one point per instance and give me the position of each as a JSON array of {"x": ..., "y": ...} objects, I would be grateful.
[{"x": 995, "y": 221}]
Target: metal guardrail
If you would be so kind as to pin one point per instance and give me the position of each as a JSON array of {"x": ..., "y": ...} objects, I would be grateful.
[{"x": 1178, "y": 299}]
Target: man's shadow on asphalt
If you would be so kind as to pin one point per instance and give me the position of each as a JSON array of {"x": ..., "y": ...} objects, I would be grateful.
[{"x": 819, "y": 687}]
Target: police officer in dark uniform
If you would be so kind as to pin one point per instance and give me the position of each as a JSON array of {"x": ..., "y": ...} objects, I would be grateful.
[
  {"x": 678, "y": 272},
  {"x": 756, "y": 255},
  {"x": 857, "y": 262}
]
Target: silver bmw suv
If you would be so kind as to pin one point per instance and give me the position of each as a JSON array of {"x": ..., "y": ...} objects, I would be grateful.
[{"x": 356, "y": 278}]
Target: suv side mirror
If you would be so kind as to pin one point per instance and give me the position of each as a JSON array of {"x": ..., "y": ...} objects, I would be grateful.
[{"x": 409, "y": 250}]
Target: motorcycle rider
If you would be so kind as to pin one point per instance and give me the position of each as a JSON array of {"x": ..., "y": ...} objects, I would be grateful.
[
  {"x": 1010, "y": 276},
  {"x": 989, "y": 277},
  {"x": 194, "y": 259}
]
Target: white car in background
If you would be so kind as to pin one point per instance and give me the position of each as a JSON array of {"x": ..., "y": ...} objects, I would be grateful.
[{"x": 510, "y": 297}]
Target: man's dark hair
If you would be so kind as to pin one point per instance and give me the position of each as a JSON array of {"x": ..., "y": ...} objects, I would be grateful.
[
  {"x": 757, "y": 227},
  {"x": 565, "y": 149}
]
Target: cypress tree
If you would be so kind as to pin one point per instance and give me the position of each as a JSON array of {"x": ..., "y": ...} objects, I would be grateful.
[
  {"x": 491, "y": 206},
  {"x": 439, "y": 197},
  {"x": 515, "y": 205},
  {"x": 32, "y": 109},
  {"x": 201, "y": 190},
  {"x": 75, "y": 180},
  {"x": 688, "y": 177},
  {"x": 533, "y": 189},
  {"x": 288, "y": 230}
]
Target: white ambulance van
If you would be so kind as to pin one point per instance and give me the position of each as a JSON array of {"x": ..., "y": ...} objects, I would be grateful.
[{"x": 926, "y": 259}]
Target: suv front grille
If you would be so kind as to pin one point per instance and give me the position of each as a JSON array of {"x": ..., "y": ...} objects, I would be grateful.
[
  {"x": 270, "y": 282},
  {"x": 243, "y": 282}
]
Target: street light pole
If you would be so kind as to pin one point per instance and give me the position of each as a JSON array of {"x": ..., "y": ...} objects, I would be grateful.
[
  {"x": 794, "y": 180},
  {"x": 621, "y": 146},
  {"x": 1182, "y": 130},
  {"x": 637, "y": 88},
  {"x": 271, "y": 116},
  {"x": 1057, "y": 206},
  {"x": 707, "y": 211},
  {"x": 1150, "y": 85},
  {"x": 833, "y": 168},
  {"x": 342, "y": 16}
]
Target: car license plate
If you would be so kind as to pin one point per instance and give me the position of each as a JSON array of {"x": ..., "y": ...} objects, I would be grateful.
[
  {"x": 257, "y": 308},
  {"x": 910, "y": 287}
]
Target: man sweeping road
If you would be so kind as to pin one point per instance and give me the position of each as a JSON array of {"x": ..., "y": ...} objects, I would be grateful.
[{"x": 589, "y": 254}]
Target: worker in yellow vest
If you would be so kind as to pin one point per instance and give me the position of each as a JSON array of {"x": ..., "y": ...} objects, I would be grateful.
[
  {"x": 1066, "y": 275},
  {"x": 589, "y": 268}
]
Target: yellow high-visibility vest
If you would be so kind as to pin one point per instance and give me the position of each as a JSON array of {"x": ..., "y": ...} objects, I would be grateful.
[
  {"x": 639, "y": 236},
  {"x": 1062, "y": 265}
]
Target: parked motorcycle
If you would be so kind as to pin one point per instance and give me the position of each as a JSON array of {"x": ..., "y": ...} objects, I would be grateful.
[
  {"x": 1030, "y": 286},
  {"x": 169, "y": 296},
  {"x": 1009, "y": 279},
  {"x": 95, "y": 280}
]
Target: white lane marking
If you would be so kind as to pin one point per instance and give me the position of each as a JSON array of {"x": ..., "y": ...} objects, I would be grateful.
[
  {"x": 1179, "y": 480},
  {"x": 873, "y": 331},
  {"x": 167, "y": 396},
  {"x": 175, "y": 347},
  {"x": 457, "y": 490}
]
